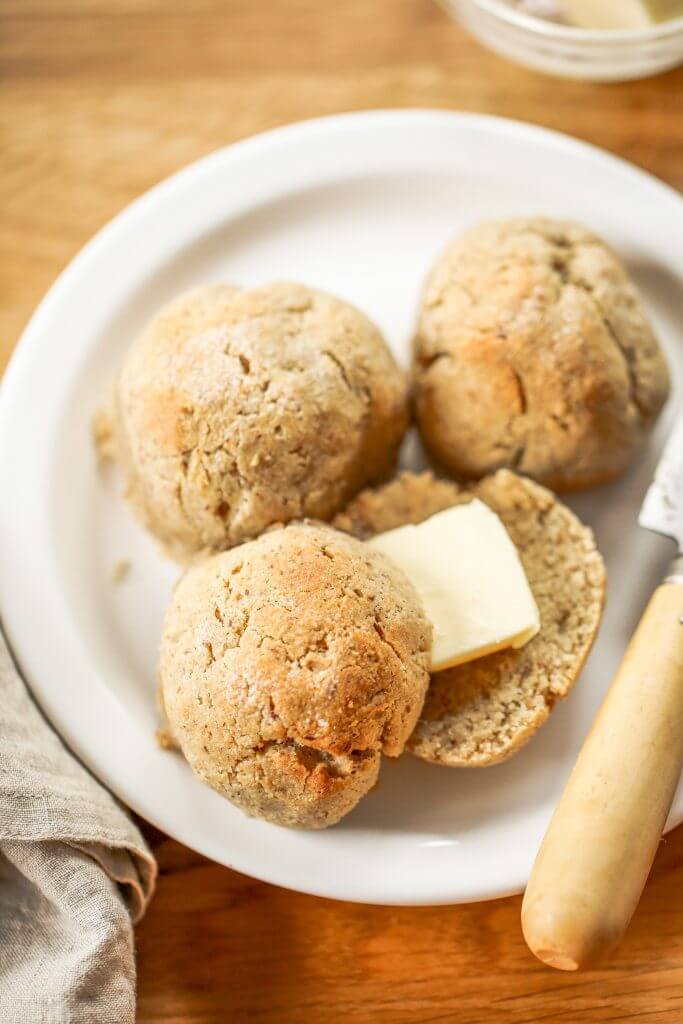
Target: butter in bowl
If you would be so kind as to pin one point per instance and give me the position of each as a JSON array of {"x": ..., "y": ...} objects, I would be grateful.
[{"x": 594, "y": 40}]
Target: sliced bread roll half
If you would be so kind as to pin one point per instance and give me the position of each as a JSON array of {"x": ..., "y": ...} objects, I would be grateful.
[{"x": 482, "y": 712}]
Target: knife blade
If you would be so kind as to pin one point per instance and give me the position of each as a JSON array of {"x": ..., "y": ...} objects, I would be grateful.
[{"x": 662, "y": 509}]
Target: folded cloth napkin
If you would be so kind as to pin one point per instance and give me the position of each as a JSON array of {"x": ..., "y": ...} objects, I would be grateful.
[{"x": 75, "y": 873}]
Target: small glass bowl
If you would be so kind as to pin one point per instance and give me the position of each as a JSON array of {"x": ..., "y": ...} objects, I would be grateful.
[{"x": 601, "y": 55}]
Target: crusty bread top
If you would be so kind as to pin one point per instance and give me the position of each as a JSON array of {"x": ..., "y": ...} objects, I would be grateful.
[
  {"x": 239, "y": 408},
  {"x": 534, "y": 352},
  {"x": 288, "y": 665},
  {"x": 481, "y": 712}
]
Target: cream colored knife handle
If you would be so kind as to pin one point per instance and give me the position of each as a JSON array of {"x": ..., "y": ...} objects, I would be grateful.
[{"x": 599, "y": 847}]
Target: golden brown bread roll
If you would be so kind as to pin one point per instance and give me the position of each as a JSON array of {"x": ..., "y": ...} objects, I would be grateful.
[
  {"x": 236, "y": 409},
  {"x": 533, "y": 352},
  {"x": 288, "y": 666}
]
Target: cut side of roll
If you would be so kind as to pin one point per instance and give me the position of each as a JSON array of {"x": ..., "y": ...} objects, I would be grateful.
[{"x": 480, "y": 713}]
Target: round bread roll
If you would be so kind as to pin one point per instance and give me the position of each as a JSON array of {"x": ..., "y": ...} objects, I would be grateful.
[
  {"x": 483, "y": 711},
  {"x": 533, "y": 352},
  {"x": 288, "y": 665},
  {"x": 236, "y": 409}
]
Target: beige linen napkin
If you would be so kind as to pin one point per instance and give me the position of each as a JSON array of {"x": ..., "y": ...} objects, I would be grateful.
[{"x": 75, "y": 873}]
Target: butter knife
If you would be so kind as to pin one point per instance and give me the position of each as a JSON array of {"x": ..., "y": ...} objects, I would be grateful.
[{"x": 598, "y": 850}]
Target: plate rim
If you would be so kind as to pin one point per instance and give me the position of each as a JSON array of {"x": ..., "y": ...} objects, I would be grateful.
[{"x": 20, "y": 369}]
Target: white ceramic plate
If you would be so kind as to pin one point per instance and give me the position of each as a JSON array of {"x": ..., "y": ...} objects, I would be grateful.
[{"x": 360, "y": 205}]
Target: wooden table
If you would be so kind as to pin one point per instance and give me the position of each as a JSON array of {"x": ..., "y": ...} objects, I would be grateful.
[{"x": 101, "y": 99}]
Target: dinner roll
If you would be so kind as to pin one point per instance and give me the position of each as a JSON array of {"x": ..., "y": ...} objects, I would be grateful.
[
  {"x": 533, "y": 352},
  {"x": 239, "y": 408},
  {"x": 288, "y": 666},
  {"x": 483, "y": 711}
]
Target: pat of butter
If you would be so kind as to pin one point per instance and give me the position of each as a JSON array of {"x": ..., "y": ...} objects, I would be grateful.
[
  {"x": 472, "y": 584},
  {"x": 621, "y": 13}
]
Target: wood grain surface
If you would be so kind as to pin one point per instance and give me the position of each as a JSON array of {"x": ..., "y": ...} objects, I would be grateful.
[{"x": 99, "y": 100}]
